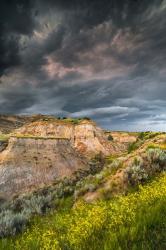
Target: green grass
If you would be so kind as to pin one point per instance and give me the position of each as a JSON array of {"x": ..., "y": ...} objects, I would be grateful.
[
  {"x": 136, "y": 221},
  {"x": 74, "y": 120},
  {"x": 133, "y": 146},
  {"x": 154, "y": 145},
  {"x": 4, "y": 137},
  {"x": 66, "y": 120},
  {"x": 148, "y": 135},
  {"x": 38, "y": 137},
  {"x": 142, "y": 137}
]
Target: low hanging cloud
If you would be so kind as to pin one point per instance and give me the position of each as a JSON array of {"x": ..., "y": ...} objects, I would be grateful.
[
  {"x": 103, "y": 59},
  {"x": 112, "y": 111}
]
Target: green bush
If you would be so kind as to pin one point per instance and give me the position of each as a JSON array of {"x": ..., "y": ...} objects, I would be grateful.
[
  {"x": 86, "y": 118},
  {"x": 110, "y": 138},
  {"x": 132, "y": 146},
  {"x": 99, "y": 158},
  {"x": 141, "y": 135}
]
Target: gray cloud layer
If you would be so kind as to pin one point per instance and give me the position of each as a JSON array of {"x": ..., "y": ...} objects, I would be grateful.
[{"x": 103, "y": 59}]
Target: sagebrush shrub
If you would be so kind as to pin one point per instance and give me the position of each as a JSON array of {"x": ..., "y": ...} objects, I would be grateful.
[
  {"x": 157, "y": 156},
  {"x": 115, "y": 164},
  {"x": 136, "y": 174},
  {"x": 38, "y": 204},
  {"x": 11, "y": 223}
]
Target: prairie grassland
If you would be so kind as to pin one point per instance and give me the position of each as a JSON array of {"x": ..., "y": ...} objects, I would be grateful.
[{"x": 135, "y": 221}]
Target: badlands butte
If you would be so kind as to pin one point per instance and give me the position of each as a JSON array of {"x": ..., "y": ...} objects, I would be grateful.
[{"x": 37, "y": 150}]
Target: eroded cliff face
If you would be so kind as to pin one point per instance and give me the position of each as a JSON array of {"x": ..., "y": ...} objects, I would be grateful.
[
  {"x": 87, "y": 138},
  {"x": 29, "y": 163},
  {"x": 46, "y": 148}
]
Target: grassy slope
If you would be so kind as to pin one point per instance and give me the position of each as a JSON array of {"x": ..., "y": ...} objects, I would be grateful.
[{"x": 135, "y": 221}]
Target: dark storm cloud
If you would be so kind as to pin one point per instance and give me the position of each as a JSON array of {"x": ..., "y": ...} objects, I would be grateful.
[
  {"x": 8, "y": 52},
  {"x": 104, "y": 59},
  {"x": 16, "y": 18},
  {"x": 16, "y": 98},
  {"x": 91, "y": 13}
]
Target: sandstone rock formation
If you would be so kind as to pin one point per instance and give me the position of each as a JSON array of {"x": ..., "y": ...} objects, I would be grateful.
[
  {"x": 41, "y": 149},
  {"x": 86, "y": 137},
  {"x": 29, "y": 163}
]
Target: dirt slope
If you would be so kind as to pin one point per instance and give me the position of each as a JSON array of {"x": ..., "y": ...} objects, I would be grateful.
[{"x": 28, "y": 163}]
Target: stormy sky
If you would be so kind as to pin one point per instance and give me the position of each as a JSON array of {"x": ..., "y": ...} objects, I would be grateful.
[{"x": 102, "y": 59}]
